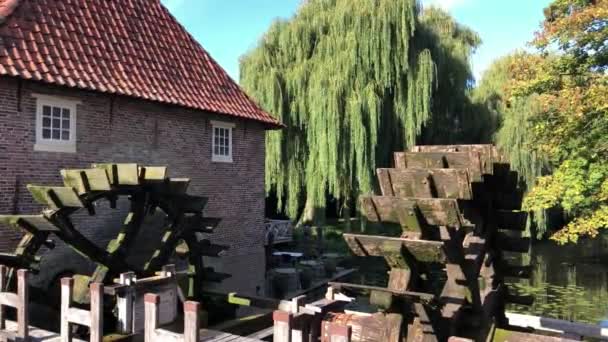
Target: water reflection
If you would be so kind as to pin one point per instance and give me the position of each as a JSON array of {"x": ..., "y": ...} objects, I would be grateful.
[{"x": 568, "y": 282}]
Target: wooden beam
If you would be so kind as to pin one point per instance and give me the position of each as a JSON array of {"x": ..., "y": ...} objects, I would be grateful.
[
  {"x": 442, "y": 160},
  {"x": 426, "y": 183},
  {"x": 489, "y": 154},
  {"x": 409, "y": 211},
  {"x": 55, "y": 197},
  {"x": 411, "y": 295},
  {"x": 121, "y": 174},
  {"x": 86, "y": 180},
  {"x": 153, "y": 173},
  {"x": 421, "y": 250},
  {"x": 29, "y": 223}
]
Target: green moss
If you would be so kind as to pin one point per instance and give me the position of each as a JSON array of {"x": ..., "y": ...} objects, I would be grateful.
[{"x": 501, "y": 335}]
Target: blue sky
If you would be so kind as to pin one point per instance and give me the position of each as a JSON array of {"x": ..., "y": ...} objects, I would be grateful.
[{"x": 229, "y": 28}]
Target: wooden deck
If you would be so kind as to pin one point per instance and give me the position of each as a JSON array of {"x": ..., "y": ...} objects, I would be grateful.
[
  {"x": 218, "y": 336},
  {"x": 40, "y": 335},
  {"x": 36, "y": 335}
]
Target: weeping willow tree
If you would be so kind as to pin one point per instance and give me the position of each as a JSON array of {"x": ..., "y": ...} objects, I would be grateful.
[
  {"x": 455, "y": 118},
  {"x": 353, "y": 81}
]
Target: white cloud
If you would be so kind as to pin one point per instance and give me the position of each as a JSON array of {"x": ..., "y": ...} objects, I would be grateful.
[{"x": 445, "y": 4}]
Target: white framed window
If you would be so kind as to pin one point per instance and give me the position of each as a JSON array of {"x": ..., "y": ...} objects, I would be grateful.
[
  {"x": 221, "y": 141},
  {"x": 55, "y": 124}
]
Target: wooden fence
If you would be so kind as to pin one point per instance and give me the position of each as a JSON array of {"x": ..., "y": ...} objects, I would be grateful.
[
  {"x": 126, "y": 291},
  {"x": 18, "y": 301}
]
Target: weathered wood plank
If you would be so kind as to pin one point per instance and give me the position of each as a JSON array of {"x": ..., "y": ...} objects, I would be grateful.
[
  {"x": 421, "y": 250},
  {"x": 55, "y": 197},
  {"x": 391, "y": 210},
  {"x": 426, "y": 183},
  {"x": 360, "y": 327},
  {"x": 30, "y": 223},
  {"x": 413, "y": 296},
  {"x": 86, "y": 180},
  {"x": 441, "y": 160},
  {"x": 434, "y": 211},
  {"x": 153, "y": 173},
  {"x": 489, "y": 153},
  {"x": 121, "y": 174}
]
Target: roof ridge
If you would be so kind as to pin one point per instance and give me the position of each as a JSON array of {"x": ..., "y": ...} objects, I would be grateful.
[{"x": 7, "y": 7}]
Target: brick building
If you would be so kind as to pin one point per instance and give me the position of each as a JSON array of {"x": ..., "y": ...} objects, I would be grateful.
[{"x": 85, "y": 81}]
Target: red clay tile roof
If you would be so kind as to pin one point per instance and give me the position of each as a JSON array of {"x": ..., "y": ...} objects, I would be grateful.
[{"x": 129, "y": 47}]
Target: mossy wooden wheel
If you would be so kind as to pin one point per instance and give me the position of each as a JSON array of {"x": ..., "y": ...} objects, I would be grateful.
[
  {"x": 459, "y": 211},
  {"x": 147, "y": 190}
]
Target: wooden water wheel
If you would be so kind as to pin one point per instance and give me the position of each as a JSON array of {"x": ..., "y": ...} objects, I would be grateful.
[
  {"x": 147, "y": 189},
  {"x": 459, "y": 212}
]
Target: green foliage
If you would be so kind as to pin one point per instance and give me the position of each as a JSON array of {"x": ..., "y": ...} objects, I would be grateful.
[
  {"x": 512, "y": 116},
  {"x": 353, "y": 81},
  {"x": 556, "y": 116}
]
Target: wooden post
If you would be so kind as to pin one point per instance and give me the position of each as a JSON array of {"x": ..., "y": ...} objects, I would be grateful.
[
  {"x": 23, "y": 320},
  {"x": 300, "y": 331},
  {"x": 168, "y": 271},
  {"x": 2, "y": 286},
  {"x": 282, "y": 326},
  {"x": 191, "y": 322},
  {"x": 92, "y": 318},
  {"x": 151, "y": 316},
  {"x": 96, "y": 312},
  {"x": 124, "y": 303},
  {"x": 67, "y": 293},
  {"x": 152, "y": 333},
  {"x": 339, "y": 333},
  {"x": 19, "y": 301}
]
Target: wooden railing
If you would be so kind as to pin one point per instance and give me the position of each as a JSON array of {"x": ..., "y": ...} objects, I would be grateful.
[
  {"x": 18, "y": 301},
  {"x": 280, "y": 230},
  {"x": 144, "y": 306}
]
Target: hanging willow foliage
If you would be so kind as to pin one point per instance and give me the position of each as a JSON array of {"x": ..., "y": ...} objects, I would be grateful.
[{"x": 352, "y": 82}]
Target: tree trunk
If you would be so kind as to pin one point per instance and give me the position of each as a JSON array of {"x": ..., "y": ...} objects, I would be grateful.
[
  {"x": 346, "y": 215},
  {"x": 312, "y": 215}
]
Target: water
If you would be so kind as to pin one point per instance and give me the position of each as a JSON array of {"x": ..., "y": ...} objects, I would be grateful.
[{"x": 568, "y": 282}]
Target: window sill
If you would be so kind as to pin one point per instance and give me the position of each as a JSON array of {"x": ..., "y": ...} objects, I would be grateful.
[
  {"x": 221, "y": 159},
  {"x": 55, "y": 148}
]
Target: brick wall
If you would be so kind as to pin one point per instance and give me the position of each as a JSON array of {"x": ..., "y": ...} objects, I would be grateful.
[{"x": 146, "y": 133}]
